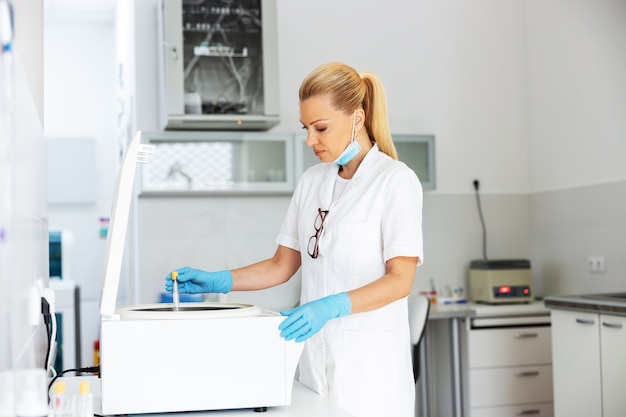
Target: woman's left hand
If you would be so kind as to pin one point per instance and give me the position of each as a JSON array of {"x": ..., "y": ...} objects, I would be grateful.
[{"x": 304, "y": 321}]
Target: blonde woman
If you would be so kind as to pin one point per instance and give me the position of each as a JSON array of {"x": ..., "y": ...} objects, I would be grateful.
[{"x": 354, "y": 226}]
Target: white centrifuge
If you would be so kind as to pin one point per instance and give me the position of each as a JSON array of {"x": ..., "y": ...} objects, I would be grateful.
[{"x": 206, "y": 356}]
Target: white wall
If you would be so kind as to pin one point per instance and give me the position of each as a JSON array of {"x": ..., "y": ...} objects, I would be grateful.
[
  {"x": 576, "y": 92},
  {"x": 577, "y": 135},
  {"x": 80, "y": 103},
  {"x": 452, "y": 68}
]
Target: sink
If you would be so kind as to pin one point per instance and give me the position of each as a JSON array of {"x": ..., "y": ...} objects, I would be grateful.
[{"x": 611, "y": 296}]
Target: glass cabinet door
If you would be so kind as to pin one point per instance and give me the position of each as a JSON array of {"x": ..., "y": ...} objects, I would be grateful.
[
  {"x": 417, "y": 151},
  {"x": 224, "y": 162},
  {"x": 221, "y": 67}
]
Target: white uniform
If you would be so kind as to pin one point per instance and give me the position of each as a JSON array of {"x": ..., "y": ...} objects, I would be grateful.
[{"x": 362, "y": 361}]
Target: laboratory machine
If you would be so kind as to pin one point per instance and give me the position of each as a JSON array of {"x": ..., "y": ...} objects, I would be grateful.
[
  {"x": 205, "y": 356},
  {"x": 500, "y": 281}
]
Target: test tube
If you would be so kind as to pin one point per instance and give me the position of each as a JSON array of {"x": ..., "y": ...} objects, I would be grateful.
[{"x": 175, "y": 296}]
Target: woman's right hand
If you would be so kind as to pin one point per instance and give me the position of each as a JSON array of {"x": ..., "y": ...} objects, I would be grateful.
[{"x": 196, "y": 281}]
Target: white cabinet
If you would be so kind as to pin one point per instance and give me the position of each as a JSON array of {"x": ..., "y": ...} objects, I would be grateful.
[
  {"x": 613, "y": 359},
  {"x": 193, "y": 163},
  {"x": 509, "y": 369},
  {"x": 188, "y": 162},
  {"x": 589, "y": 365},
  {"x": 417, "y": 151}
]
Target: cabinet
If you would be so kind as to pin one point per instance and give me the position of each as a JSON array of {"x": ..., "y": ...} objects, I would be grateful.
[
  {"x": 509, "y": 367},
  {"x": 190, "y": 162},
  {"x": 589, "y": 366},
  {"x": 417, "y": 151},
  {"x": 219, "y": 64}
]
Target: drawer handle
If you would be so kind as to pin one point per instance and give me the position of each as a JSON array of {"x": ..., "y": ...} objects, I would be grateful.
[
  {"x": 612, "y": 325},
  {"x": 525, "y": 335},
  {"x": 528, "y": 412},
  {"x": 527, "y": 373},
  {"x": 584, "y": 321}
]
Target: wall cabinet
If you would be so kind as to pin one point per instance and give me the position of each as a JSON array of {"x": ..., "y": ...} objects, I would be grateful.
[
  {"x": 208, "y": 162},
  {"x": 219, "y": 64},
  {"x": 417, "y": 151},
  {"x": 509, "y": 368},
  {"x": 589, "y": 366},
  {"x": 190, "y": 162}
]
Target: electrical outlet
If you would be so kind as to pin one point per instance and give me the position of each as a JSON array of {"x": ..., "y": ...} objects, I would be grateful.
[{"x": 595, "y": 264}]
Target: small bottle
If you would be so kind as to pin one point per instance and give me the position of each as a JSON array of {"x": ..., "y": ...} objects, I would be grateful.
[
  {"x": 31, "y": 393},
  {"x": 59, "y": 401},
  {"x": 7, "y": 393},
  {"x": 85, "y": 400}
]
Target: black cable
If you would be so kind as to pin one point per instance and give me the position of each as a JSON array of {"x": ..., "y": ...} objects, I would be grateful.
[
  {"x": 88, "y": 369},
  {"x": 47, "y": 319},
  {"x": 482, "y": 220}
]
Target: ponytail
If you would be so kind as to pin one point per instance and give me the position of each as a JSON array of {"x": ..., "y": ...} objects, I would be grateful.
[{"x": 376, "y": 118}]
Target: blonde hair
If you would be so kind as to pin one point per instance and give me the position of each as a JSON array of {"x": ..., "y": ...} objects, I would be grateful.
[{"x": 350, "y": 91}]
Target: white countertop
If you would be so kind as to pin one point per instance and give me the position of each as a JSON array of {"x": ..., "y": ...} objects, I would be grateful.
[
  {"x": 447, "y": 311},
  {"x": 607, "y": 303},
  {"x": 304, "y": 403}
]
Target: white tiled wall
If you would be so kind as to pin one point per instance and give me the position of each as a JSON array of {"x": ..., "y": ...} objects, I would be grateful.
[
  {"x": 216, "y": 233},
  {"x": 211, "y": 233}
]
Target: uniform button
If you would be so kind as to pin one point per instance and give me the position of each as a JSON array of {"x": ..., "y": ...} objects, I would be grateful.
[{"x": 321, "y": 347}]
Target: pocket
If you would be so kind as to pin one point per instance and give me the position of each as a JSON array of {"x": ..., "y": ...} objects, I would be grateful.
[{"x": 359, "y": 246}]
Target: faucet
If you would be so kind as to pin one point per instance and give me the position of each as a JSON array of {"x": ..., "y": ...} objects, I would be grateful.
[{"x": 175, "y": 169}]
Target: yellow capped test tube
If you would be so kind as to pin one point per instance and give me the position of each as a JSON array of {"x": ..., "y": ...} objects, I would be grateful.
[{"x": 175, "y": 296}]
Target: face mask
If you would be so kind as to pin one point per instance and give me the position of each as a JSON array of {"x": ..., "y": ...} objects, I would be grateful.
[{"x": 351, "y": 150}]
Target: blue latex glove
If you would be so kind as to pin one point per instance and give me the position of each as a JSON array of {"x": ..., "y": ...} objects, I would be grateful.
[
  {"x": 304, "y": 321},
  {"x": 196, "y": 281}
]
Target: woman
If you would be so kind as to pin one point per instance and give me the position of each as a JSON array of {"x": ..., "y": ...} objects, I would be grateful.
[{"x": 354, "y": 226}]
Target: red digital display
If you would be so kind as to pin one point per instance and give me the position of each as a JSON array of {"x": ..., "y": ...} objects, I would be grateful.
[{"x": 505, "y": 289}]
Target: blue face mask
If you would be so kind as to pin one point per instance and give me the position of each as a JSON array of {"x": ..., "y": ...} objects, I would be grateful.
[{"x": 351, "y": 150}]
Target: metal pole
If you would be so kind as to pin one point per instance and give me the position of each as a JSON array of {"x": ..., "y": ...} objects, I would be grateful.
[
  {"x": 457, "y": 394},
  {"x": 422, "y": 382}
]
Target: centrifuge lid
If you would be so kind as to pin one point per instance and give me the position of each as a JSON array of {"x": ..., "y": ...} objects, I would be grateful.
[{"x": 118, "y": 222}]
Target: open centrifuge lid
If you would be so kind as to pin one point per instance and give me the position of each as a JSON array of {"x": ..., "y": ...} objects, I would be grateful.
[{"x": 118, "y": 222}]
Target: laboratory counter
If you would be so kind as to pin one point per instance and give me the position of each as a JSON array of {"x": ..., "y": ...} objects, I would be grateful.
[
  {"x": 448, "y": 311},
  {"x": 610, "y": 303},
  {"x": 455, "y": 314},
  {"x": 304, "y": 403}
]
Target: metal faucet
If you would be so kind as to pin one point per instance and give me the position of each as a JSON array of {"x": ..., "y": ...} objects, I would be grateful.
[{"x": 175, "y": 169}]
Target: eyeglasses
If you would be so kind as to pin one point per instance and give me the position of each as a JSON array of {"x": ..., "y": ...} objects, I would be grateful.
[{"x": 313, "y": 249}]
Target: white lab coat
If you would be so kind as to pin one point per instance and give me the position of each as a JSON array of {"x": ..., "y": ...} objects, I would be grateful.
[{"x": 362, "y": 361}]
